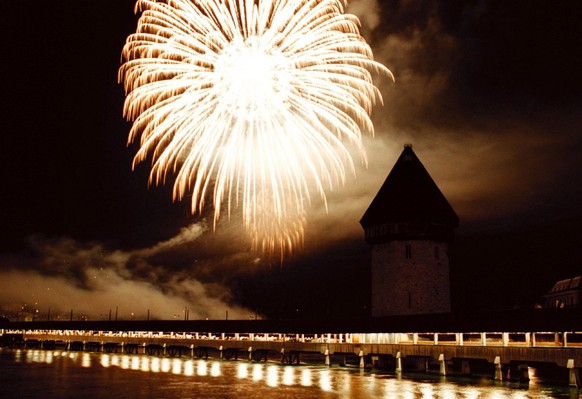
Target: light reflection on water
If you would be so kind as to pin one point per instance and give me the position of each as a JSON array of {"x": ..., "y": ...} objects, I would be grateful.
[{"x": 191, "y": 377}]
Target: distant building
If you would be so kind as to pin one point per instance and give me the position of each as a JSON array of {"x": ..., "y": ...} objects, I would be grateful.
[
  {"x": 565, "y": 294},
  {"x": 409, "y": 225}
]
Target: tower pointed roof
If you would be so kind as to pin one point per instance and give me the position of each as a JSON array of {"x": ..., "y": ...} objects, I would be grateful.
[{"x": 409, "y": 195}]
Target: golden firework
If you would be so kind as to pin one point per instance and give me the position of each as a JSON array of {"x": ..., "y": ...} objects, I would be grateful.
[{"x": 254, "y": 102}]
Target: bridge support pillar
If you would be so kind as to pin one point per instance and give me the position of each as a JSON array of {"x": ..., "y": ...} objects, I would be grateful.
[
  {"x": 573, "y": 377},
  {"x": 498, "y": 369},
  {"x": 442, "y": 365},
  {"x": 421, "y": 363},
  {"x": 465, "y": 367},
  {"x": 523, "y": 373},
  {"x": 362, "y": 361},
  {"x": 398, "y": 362},
  {"x": 327, "y": 358},
  {"x": 250, "y": 353},
  {"x": 519, "y": 372}
]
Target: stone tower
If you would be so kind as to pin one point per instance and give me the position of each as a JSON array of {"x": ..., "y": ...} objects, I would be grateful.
[{"x": 409, "y": 225}]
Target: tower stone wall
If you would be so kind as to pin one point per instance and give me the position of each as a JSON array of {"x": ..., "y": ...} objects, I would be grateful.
[
  {"x": 409, "y": 226},
  {"x": 410, "y": 277}
]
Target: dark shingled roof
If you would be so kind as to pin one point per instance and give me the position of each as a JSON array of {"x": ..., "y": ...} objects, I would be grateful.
[{"x": 409, "y": 195}]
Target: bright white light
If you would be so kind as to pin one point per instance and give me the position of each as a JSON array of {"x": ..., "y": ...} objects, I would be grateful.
[
  {"x": 86, "y": 360},
  {"x": 273, "y": 376},
  {"x": 289, "y": 376},
  {"x": 189, "y": 368},
  {"x": 125, "y": 362},
  {"x": 325, "y": 381},
  {"x": 257, "y": 372},
  {"x": 242, "y": 371},
  {"x": 306, "y": 378},
  {"x": 145, "y": 364},
  {"x": 215, "y": 369},
  {"x": 202, "y": 368},
  {"x": 156, "y": 365},
  {"x": 135, "y": 363},
  {"x": 176, "y": 366},
  {"x": 105, "y": 361}
]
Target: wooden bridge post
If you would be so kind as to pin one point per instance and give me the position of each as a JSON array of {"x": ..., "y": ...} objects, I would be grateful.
[
  {"x": 533, "y": 339},
  {"x": 565, "y": 342},
  {"x": 398, "y": 362},
  {"x": 573, "y": 377},
  {"x": 505, "y": 339},
  {"x": 498, "y": 369},
  {"x": 442, "y": 365}
]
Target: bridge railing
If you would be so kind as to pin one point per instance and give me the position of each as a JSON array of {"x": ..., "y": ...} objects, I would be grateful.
[{"x": 523, "y": 339}]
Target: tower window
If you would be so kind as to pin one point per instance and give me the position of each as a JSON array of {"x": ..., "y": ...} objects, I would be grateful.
[{"x": 408, "y": 251}]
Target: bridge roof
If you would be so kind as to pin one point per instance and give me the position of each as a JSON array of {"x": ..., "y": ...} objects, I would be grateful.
[
  {"x": 409, "y": 195},
  {"x": 539, "y": 320}
]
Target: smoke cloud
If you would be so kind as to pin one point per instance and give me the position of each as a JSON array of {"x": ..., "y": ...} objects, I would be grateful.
[
  {"x": 498, "y": 154},
  {"x": 91, "y": 280}
]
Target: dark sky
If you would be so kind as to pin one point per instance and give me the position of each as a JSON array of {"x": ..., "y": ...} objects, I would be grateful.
[{"x": 488, "y": 92}]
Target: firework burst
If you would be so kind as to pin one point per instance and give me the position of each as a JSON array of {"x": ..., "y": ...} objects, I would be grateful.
[{"x": 254, "y": 102}]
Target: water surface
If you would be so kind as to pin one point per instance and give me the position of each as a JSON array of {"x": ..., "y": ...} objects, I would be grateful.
[{"x": 76, "y": 375}]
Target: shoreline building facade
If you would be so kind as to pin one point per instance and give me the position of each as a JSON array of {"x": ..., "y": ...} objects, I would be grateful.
[{"x": 409, "y": 226}]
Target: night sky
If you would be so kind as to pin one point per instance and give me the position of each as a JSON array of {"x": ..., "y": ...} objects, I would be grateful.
[{"x": 488, "y": 92}]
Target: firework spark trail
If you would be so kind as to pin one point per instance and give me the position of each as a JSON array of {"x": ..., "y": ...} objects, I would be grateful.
[{"x": 255, "y": 101}]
